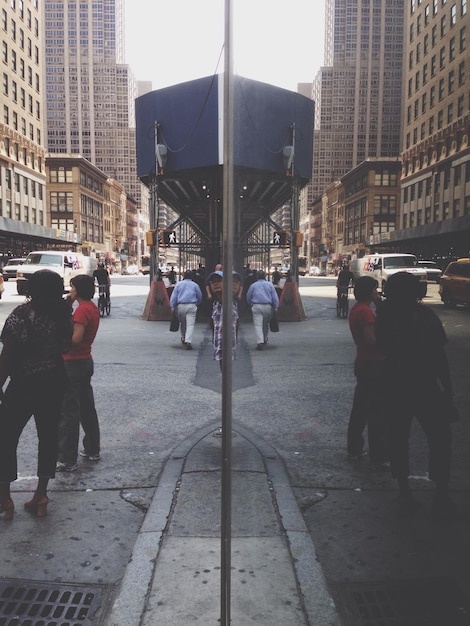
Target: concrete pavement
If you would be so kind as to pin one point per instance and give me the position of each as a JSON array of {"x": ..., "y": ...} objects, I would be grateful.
[{"x": 174, "y": 574}]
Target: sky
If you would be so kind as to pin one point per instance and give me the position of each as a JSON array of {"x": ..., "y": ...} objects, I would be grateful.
[{"x": 279, "y": 42}]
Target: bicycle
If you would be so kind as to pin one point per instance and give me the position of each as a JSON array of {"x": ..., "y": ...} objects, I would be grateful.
[
  {"x": 104, "y": 301},
  {"x": 342, "y": 301}
]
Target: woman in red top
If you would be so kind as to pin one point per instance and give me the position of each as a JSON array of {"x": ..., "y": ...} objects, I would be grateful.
[
  {"x": 78, "y": 406},
  {"x": 366, "y": 409}
]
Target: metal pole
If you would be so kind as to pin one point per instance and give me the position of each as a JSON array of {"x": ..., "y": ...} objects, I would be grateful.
[
  {"x": 294, "y": 252},
  {"x": 227, "y": 314},
  {"x": 153, "y": 217}
]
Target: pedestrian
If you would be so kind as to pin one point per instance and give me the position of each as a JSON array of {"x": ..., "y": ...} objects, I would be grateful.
[
  {"x": 101, "y": 275},
  {"x": 172, "y": 276},
  {"x": 417, "y": 385},
  {"x": 367, "y": 402},
  {"x": 344, "y": 281},
  {"x": 184, "y": 300},
  {"x": 34, "y": 337},
  {"x": 264, "y": 302},
  {"x": 216, "y": 285},
  {"x": 78, "y": 406},
  {"x": 276, "y": 277}
]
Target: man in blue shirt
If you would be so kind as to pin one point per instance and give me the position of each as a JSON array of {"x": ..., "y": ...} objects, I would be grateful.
[
  {"x": 185, "y": 299},
  {"x": 264, "y": 302}
]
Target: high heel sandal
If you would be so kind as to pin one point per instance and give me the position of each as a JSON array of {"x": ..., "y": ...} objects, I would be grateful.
[
  {"x": 37, "y": 505},
  {"x": 8, "y": 508}
]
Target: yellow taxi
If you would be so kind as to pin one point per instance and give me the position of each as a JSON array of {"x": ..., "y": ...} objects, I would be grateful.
[{"x": 454, "y": 286}]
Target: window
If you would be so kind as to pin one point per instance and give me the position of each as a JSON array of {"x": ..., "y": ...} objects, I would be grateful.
[
  {"x": 5, "y": 52},
  {"x": 463, "y": 42},
  {"x": 443, "y": 26},
  {"x": 425, "y": 73},
  {"x": 434, "y": 36},
  {"x": 460, "y": 106},
  {"x": 452, "y": 49},
  {"x": 433, "y": 66},
  {"x": 441, "y": 89},
  {"x": 453, "y": 15},
  {"x": 423, "y": 103},
  {"x": 426, "y": 44},
  {"x": 463, "y": 7},
  {"x": 442, "y": 58},
  {"x": 450, "y": 113},
  {"x": 6, "y": 114},
  {"x": 431, "y": 125},
  {"x": 451, "y": 81},
  {"x": 461, "y": 73},
  {"x": 440, "y": 119},
  {"x": 427, "y": 13}
]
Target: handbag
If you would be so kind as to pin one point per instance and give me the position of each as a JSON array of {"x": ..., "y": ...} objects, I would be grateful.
[
  {"x": 273, "y": 323},
  {"x": 175, "y": 323}
]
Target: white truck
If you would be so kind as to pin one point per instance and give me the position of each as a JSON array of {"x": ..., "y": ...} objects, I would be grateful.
[
  {"x": 66, "y": 264},
  {"x": 382, "y": 266}
]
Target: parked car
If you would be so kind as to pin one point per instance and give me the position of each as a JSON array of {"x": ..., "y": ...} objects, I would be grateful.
[
  {"x": 316, "y": 271},
  {"x": 10, "y": 269},
  {"x": 130, "y": 270},
  {"x": 454, "y": 287},
  {"x": 434, "y": 272}
]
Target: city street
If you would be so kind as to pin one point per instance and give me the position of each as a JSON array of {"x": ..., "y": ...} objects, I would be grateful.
[{"x": 295, "y": 395}]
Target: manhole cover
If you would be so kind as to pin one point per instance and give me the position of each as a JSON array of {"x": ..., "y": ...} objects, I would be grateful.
[
  {"x": 423, "y": 602},
  {"x": 47, "y": 604}
]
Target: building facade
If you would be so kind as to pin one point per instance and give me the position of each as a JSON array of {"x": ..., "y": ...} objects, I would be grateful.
[
  {"x": 435, "y": 177},
  {"x": 90, "y": 91},
  {"x": 24, "y": 221},
  {"x": 358, "y": 93}
]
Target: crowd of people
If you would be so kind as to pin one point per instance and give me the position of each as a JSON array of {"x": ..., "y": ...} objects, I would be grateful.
[{"x": 401, "y": 371}]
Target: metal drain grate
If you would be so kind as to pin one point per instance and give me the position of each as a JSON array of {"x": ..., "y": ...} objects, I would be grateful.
[
  {"x": 423, "y": 602},
  {"x": 47, "y": 604}
]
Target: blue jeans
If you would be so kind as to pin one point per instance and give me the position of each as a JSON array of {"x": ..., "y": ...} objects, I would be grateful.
[{"x": 78, "y": 407}]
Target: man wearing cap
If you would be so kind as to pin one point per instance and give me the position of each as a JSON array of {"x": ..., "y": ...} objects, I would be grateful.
[
  {"x": 185, "y": 299},
  {"x": 264, "y": 301}
]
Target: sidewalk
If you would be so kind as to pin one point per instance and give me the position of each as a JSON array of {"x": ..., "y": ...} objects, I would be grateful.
[{"x": 173, "y": 577}]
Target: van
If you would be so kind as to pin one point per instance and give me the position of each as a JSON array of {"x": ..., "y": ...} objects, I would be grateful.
[
  {"x": 382, "y": 266},
  {"x": 66, "y": 264}
]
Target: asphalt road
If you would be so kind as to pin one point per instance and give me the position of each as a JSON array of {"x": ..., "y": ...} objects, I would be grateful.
[{"x": 296, "y": 395}]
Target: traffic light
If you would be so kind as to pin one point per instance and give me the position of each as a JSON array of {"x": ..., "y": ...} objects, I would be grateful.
[
  {"x": 150, "y": 237},
  {"x": 280, "y": 238},
  {"x": 169, "y": 237}
]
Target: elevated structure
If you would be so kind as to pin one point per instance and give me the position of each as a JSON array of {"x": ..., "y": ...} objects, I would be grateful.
[{"x": 180, "y": 157}]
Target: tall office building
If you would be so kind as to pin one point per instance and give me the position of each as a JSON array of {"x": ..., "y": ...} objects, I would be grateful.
[
  {"x": 24, "y": 223},
  {"x": 90, "y": 92},
  {"x": 358, "y": 91},
  {"x": 436, "y": 151}
]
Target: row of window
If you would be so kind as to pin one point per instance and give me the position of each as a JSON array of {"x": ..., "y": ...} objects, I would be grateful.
[
  {"x": 20, "y": 125},
  {"x": 32, "y": 215},
  {"x": 17, "y": 182},
  {"x": 414, "y": 56},
  {"x": 435, "y": 123},
  {"x": 20, "y": 67},
  {"x": 434, "y": 214},
  {"x": 21, "y": 154},
  {"x": 19, "y": 96},
  {"x": 427, "y": 188},
  {"x": 446, "y": 86},
  {"x": 29, "y": 22}
]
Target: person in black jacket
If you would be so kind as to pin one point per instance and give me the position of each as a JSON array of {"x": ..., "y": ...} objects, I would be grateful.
[{"x": 417, "y": 384}]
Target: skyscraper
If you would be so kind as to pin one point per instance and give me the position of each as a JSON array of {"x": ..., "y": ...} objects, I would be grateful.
[
  {"x": 358, "y": 92},
  {"x": 90, "y": 92}
]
